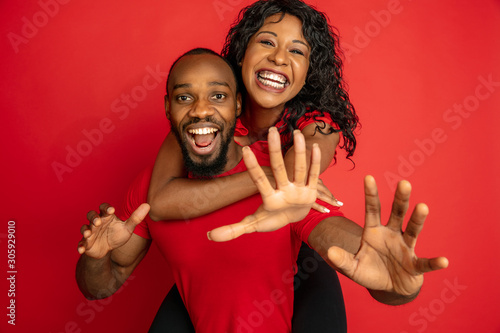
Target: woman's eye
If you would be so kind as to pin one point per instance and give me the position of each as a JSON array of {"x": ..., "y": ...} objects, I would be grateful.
[
  {"x": 266, "y": 42},
  {"x": 297, "y": 52}
]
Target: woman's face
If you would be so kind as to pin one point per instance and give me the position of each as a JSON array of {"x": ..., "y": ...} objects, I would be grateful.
[{"x": 275, "y": 64}]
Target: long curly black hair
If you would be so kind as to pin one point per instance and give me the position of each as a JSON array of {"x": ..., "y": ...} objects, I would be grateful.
[{"x": 325, "y": 89}]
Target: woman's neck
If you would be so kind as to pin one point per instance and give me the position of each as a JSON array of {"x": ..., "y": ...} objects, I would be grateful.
[{"x": 258, "y": 120}]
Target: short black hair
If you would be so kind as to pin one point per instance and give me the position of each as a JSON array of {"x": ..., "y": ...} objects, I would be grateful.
[{"x": 197, "y": 51}]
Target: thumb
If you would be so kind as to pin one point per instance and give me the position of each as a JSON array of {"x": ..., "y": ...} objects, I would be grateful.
[
  {"x": 233, "y": 231},
  {"x": 342, "y": 260},
  {"x": 137, "y": 216}
]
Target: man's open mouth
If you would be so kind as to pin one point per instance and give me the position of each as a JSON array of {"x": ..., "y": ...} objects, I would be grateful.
[{"x": 203, "y": 137}]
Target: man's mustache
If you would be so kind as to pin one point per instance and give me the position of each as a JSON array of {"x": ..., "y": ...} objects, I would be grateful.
[{"x": 203, "y": 120}]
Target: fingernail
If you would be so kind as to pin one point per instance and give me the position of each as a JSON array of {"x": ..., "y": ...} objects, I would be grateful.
[
  {"x": 208, "y": 236},
  {"x": 340, "y": 203},
  {"x": 326, "y": 210}
]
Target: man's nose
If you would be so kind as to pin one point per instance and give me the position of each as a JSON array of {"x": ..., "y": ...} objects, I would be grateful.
[{"x": 201, "y": 109}]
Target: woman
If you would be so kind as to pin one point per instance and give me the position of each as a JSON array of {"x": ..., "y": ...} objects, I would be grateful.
[{"x": 290, "y": 72}]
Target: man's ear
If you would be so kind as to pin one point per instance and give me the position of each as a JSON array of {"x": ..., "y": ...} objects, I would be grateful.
[
  {"x": 238, "y": 105},
  {"x": 167, "y": 107}
]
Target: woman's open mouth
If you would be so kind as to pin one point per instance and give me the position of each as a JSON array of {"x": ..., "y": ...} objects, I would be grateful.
[{"x": 271, "y": 79}]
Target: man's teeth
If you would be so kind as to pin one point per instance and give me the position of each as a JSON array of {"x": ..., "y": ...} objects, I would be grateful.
[
  {"x": 272, "y": 79},
  {"x": 201, "y": 131}
]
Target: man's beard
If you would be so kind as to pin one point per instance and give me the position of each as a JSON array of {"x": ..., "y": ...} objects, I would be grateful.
[{"x": 209, "y": 166}]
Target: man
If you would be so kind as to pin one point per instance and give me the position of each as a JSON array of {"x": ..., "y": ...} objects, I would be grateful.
[{"x": 236, "y": 286}]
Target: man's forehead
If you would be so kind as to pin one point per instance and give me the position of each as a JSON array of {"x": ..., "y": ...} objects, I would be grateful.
[{"x": 204, "y": 69}]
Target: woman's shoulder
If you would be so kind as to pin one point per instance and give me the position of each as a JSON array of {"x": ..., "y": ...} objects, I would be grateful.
[{"x": 309, "y": 117}]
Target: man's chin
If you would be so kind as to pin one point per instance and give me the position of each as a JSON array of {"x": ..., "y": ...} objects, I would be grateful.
[
  {"x": 204, "y": 170},
  {"x": 205, "y": 166}
]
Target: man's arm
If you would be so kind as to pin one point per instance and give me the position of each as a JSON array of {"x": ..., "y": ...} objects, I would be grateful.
[
  {"x": 386, "y": 263},
  {"x": 336, "y": 231},
  {"x": 109, "y": 251},
  {"x": 380, "y": 258}
]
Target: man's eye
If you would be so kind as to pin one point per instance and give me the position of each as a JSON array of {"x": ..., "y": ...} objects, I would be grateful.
[
  {"x": 183, "y": 98},
  {"x": 219, "y": 97}
]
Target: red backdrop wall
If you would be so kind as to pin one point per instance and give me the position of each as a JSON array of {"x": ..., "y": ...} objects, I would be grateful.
[{"x": 82, "y": 90}]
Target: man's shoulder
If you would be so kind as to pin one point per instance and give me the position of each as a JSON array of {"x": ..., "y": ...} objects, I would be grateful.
[{"x": 140, "y": 185}]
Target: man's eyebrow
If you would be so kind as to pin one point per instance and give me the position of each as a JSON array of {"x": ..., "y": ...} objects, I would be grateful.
[
  {"x": 275, "y": 35},
  {"x": 181, "y": 85},
  {"x": 211, "y": 83},
  {"x": 218, "y": 83}
]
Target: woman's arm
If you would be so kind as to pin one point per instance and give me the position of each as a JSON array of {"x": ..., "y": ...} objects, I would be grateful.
[
  {"x": 327, "y": 144},
  {"x": 173, "y": 196}
]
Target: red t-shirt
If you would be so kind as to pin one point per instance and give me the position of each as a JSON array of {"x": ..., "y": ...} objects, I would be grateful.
[
  {"x": 307, "y": 119},
  {"x": 244, "y": 285}
]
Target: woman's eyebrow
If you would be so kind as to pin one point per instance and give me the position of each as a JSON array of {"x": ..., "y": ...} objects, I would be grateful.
[
  {"x": 276, "y": 35},
  {"x": 268, "y": 32},
  {"x": 300, "y": 42}
]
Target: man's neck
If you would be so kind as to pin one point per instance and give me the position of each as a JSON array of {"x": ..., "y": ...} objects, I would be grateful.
[{"x": 234, "y": 156}]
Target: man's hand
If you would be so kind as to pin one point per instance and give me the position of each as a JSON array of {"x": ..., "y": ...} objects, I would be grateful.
[
  {"x": 386, "y": 260},
  {"x": 289, "y": 202},
  {"x": 106, "y": 232}
]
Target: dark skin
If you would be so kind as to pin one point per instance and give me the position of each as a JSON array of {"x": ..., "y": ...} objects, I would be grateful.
[
  {"x": 385, "y": 263},
  {"x": 279, "y": 48},
  {"x": 271, "y": 49}
]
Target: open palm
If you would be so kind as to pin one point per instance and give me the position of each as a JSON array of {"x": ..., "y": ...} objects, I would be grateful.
[
  {"x": 386, "y": 259},
  {"x": 289, "y": 202}
]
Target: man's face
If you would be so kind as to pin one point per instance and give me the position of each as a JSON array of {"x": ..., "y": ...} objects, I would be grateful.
[{"x": 202, "y": 106}]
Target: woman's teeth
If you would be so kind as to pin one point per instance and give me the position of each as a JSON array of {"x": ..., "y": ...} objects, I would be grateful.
[{"x": 270, "y": 79}]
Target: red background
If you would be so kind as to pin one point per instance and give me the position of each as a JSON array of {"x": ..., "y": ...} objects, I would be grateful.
[{"x": 66, "y": 65}]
